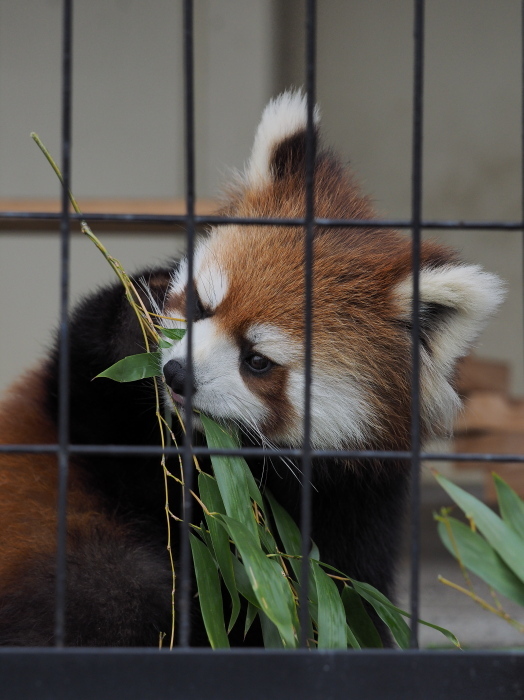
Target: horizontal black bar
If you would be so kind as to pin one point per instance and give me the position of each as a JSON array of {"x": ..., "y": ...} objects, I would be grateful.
[
  {"x": 180, "y": 219},
  {"x": 152, "y": 450},
  {"x": 195, "y": 674}
]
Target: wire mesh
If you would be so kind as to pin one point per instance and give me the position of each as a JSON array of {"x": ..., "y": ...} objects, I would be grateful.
[{"x": 306, "y": 454}]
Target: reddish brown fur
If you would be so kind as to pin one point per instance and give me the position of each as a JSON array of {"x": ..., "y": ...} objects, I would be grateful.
[
  {"x": 28, "y": 484},
  {"x": 356, "y": 324}
]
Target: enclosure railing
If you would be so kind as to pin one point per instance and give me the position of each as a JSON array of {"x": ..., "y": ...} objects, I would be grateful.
[{"x": 190, "y": 673}]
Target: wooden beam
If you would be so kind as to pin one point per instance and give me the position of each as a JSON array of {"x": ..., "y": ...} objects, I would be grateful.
[{"x": 110, "y": 206}]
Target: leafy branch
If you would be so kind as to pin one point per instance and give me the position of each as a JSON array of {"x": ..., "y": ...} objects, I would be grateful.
[{"x": 491, "y": 546}]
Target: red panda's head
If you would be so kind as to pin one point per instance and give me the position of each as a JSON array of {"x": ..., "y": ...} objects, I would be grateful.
[{"x": 248, "y": 335}]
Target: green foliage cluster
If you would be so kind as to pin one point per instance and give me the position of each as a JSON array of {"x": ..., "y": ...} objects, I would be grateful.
[
  {"x": 491, "y": 546},
  {"x": 252, "y": 546}
]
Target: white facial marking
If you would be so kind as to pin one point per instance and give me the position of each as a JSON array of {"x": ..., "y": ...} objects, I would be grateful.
[
  {"x": 274, "y": 343},
  {"x": 179, "y": 278},
  {"x": 219, "y": 388},
  {"x": 340, "y": 416},
  {"x": 211, "y": 284},
  {"x": 210, "y": 279}
]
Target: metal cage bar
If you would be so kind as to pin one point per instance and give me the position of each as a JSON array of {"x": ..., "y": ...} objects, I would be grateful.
[
  {"x": 195, "y": 673},
  {"x": 416, "y": 212},
  {"x": 305, "y": 515},
  {"x": 63, "y": 380},
  {"x": 184, "y": 631}
]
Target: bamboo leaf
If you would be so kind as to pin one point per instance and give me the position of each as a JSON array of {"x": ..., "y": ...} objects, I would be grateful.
[
  {"x": 210, "y": 495},
  {"x": 331, "y": 615},
  {"x": 209, "y": 594},
  {"x": 204, "y": 534},
  {"x": 267, "y": 540},
  {"x": 386, "y": 611},
  {"x": 217, "y": 436},
  {"x": 244, "y": 584},
  {"x": 291, "y": 538},
  {"x": 267, "y": 580},
  {"x": 270, "y": 634},
  {"x": 504, "y": 540},
  {"x": 288, "y": 533},
  {"x": 511, "y": 506},
  {"x": 480, "y": 558},
  {"x": 373, "y": 592},
  {"x": 352, "y": 640},
  {"x": 393, "y": 616},
  {"x": 442, "y": 630},
  {"x": 174, "y": 333},
  {"x": 231, "y": 477},
  {"x": 134, "y": 367},
  {"x": 358, "y": 619},
  {"x": 314, "y": 553},
  {"x": 251, "y": 613}
]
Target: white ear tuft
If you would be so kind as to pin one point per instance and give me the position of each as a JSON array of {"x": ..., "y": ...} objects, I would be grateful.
[
  {"x": 283, "y": 117},
  {"x": 456, "y": 301},
  {"x": 466, "y": 295}
]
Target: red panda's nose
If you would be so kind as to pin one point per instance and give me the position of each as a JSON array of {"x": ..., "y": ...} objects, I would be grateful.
[{"x": 175, "y": 375}]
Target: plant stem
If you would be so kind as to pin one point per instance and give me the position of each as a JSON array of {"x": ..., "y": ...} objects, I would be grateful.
[{"x": 483, "y": 604}]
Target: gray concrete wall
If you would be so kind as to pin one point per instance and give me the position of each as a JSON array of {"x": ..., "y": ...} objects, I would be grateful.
[
  {"x": 128, "y": 132},
  {"x": 128, "y": 124},
  {"x": 472, "y": 149}
]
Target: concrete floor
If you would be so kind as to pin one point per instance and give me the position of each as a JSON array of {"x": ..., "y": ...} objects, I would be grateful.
[{"x": 444, "y": 606}]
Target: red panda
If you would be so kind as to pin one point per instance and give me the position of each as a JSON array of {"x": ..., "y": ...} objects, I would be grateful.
[{"x": 248, "y": 371}]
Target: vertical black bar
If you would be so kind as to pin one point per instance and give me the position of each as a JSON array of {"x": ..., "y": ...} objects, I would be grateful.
[
  {"x": 416, "y": 212},
  {"x": 305, "y": 518},
  {"x": 184, "y": 577},
  {"x": 522, "y": 139},
  {"x": 63, "y": 368}
]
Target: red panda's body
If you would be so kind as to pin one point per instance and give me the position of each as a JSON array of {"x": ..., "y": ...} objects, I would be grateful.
[{"x": 248, "y": 371}]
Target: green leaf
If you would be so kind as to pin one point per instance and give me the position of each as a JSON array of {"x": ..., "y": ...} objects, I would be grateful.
[
  {"x": 174, "y": 333},
  {"x": 358, "y": 619},
  {"x": 331, "y": 615},
  {"x": 267, "y": 540},
  {"x": 231, "y": 476},
  {"x": 511, "y": 506},
  {"x": 210, "y": 496},
  {"x": 393, "y": 615},
  {"x": 209, "y": 594},
  {"x": 291, "y": 538},
  {"x": 204, "y": 534},
  {"x": 217, "y": 436},
  {"x": 315, "y": 554},
  {"x": 480, "y": 558},
  {"x": 504, "y": 540},
  {"x": 165, "y": 343},
  {"x": 387, "y": 612},
  {"x": 270, "y": 635},
  {"x": 442, "y": 630},
  {"x": 243, "y": 583},
  {"x": 352, "y": 640},
  {"x": 251, "y": 613},
  {"x": 288, "y": 533},
  {"x": 134, "y": 367},
  {"x": 267, "y": 580},
  {"x": 292, "y": 543}
]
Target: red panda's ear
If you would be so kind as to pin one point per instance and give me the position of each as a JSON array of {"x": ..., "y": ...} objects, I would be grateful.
[
  {"x": 280, "y": 140},
  {"x": 456, "y": 300}
]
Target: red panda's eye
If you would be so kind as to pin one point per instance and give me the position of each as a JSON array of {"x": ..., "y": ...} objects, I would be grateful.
[{"x": 258, "y": 363}]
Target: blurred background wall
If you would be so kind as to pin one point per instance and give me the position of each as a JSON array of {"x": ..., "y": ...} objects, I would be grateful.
[{"x": 128, "y": 128}]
